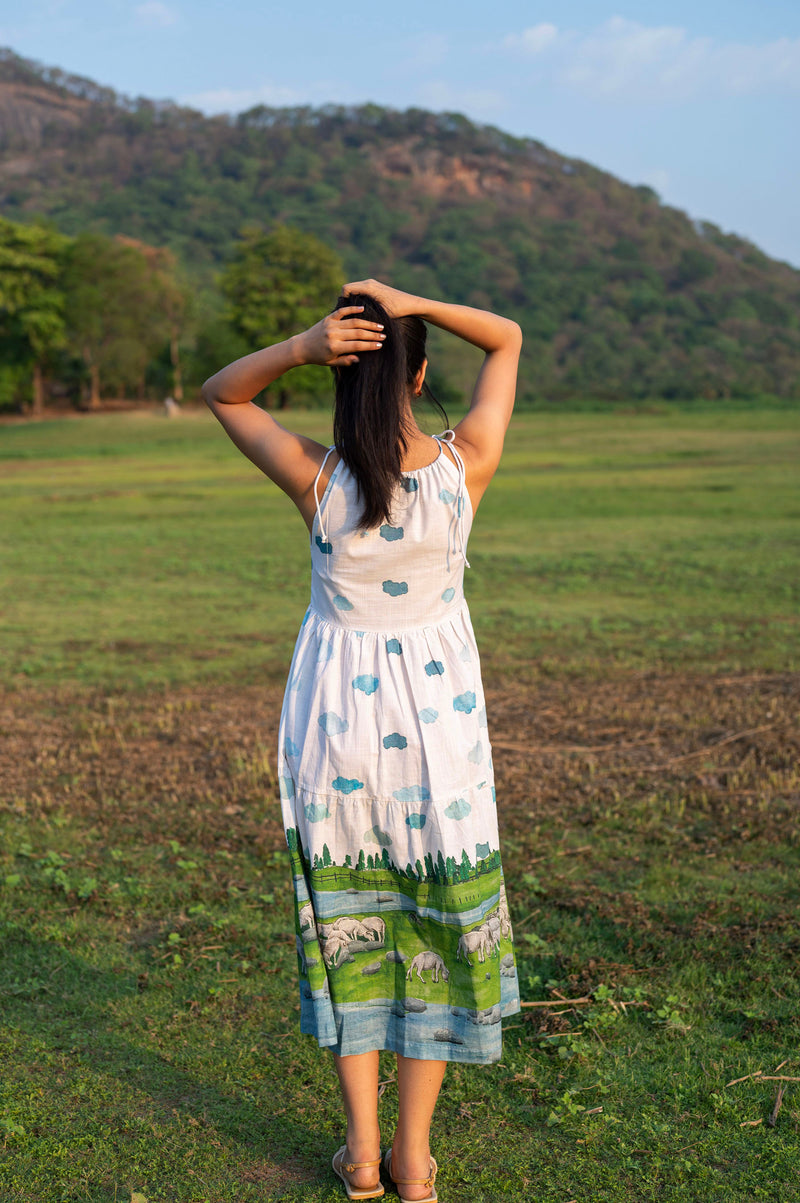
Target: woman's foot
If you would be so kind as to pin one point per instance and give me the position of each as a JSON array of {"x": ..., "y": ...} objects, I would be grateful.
[
  {"x": 418, "y": 1166},
  {"x": 367, "y": 1176}
]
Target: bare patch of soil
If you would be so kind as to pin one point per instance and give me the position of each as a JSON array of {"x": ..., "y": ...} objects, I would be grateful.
[{"x": 198, "y": 764}]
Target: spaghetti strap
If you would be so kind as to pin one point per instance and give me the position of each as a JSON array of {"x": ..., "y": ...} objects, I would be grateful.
[
  {"x": 449, "y": 437},
  {"x": 316, "y": 491}
]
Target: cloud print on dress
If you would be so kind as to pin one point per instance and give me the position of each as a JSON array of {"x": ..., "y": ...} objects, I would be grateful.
[
  {"x": 448, "y": 595},
  {"x": 391, "y": 533},
  {"x": 434, "y": 668},
  {"x": 290, "y": 747},
  {"x": 342, "y": 603},
  {"x": 325, "y": 548},
  {"x": 394, "y": 646},
  {"x": 428, "y": 715},
  {"x": 317, "y": 811},
  {"x": 395, "y": 588},
  {"x": 417, "y": 821},
  {"x": 410, "y": 484},
  {"x": 366, "y": 683},
  {"x": 395, "y": 740},
  {"x": 465, "y": 702},
  {"x": 447, "y": 496},
  {"x": 412, "y": 793},
  {"x": 287, "y": 787},
  {"x": 475, "y": 755},
  {"x": 346, "y": 785},
  {"x": 376, "y": 836},
  {"x": 459, "y": 809},
  {"x": 331, "y": 723}
]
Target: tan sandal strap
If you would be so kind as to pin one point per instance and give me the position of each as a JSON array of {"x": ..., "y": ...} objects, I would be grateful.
[
  {"x": 415, "y": 1181},
  {"x": 357, "y": 1165}
]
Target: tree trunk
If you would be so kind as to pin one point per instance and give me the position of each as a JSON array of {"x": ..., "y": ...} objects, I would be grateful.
[
  {"x": 38, "y": 392},
  {"x": 177, "y": 374},
  {"x": 94, "y": 387},
  {"x": 283, "y": 398}
]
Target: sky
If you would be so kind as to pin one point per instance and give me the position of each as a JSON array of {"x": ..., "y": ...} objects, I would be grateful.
[{"x": 699, "y": 100}]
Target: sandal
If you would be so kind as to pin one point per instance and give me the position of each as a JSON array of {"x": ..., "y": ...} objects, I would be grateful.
[
  {"x": 431, "y": 1197},
  {"x": 342, "y": 1168}
]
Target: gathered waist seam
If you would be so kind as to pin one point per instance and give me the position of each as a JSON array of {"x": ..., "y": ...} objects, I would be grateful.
[{"x": 458, "y": 612}]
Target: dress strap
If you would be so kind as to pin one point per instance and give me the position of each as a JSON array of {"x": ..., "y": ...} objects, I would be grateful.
[
  {"x": 449, "y": 437},
  {"x": 316, "y": 492}
]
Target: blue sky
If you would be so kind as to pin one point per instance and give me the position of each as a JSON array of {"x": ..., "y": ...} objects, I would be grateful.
[{"x": 699, "y": 100}]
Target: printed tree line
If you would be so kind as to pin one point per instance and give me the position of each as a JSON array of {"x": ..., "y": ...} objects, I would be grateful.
[
  {"x": 92, "y": 315},
  {"x": 439, "y": 871}
]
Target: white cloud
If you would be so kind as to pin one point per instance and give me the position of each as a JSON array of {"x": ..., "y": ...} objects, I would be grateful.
[
  {"x": 155, "y": 14},
  {"x": 237, "y": 100},
  {"x": 533, "y": 40},
  {"x": 626, "y": 59}
]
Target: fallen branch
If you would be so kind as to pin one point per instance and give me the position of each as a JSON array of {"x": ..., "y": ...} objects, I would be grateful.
[
  {"x": 580, "y": 1002},
  {"x": 778, "y": 1100},
  {"x": 762, "y": 1077}
]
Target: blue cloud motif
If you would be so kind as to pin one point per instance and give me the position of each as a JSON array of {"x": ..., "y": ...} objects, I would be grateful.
[
  {"x": 482, "y": 851},
  {"x": 291, "y": 748},
  {"x": 410, "y": 484},
  {"x": 494, "y": 794},
  {"x": 475, "y": 755},
  {"x": 325, "y": 548},
  {"x": 412, "y": 793},
  {"x": 331, "y": 723},
  {"x": 428, "y": 715},
  {"x": 346, "y": 785},
  {"x": 342, "y": 603},
  {"x": 458, "y": 809},
  {"x": 391, "y": 533},
  {"x": 376, "y": 836},
  {"x": 395, "y": 740},
  {"x": 447, "y": 496},
  {"x": 482, "y": 720},
  {"x": 465, "y": 702},
  {"x": 325, "y": 652},
  {"x": 417, "y": 821},
  {"x": 394, "y": 645},
  {"x": 465, "y": 654},
  {"x": 317, "y": 811},
  {"x": 434, "y": 668},
  {"x": 287, "y": 787},
  {"x": 448, "y": 595},
  {"x": 395, "y": 588},
  {"x": 366, "y": 683}
]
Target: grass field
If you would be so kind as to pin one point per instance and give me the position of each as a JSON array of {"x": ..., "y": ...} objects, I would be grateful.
[{"x": 634, "y": 588}]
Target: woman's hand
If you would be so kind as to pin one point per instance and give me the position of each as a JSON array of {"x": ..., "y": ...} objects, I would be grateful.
[
  {"x": 395, "y": 302},
  {"x": 339, "y": 338}
]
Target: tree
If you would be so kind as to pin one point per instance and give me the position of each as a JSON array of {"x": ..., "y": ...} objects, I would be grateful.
[
  {"x": 31, "y": 298},
  {"x": 278, "y": 284},
  {"x": 326, "y": 856},
  {"x": 466, "y": 866},
  {"x": 113, "y": 311},
  {"x": 361, "y": 861}
]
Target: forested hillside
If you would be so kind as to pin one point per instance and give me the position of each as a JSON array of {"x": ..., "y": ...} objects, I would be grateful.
[{"x": 618, "y": 295}]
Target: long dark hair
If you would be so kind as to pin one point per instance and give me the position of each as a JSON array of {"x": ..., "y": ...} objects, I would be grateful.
[{"x": 370, "y": 417}]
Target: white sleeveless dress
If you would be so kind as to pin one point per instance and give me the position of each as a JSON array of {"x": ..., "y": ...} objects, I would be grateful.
[{"x": 403, "y": 933}]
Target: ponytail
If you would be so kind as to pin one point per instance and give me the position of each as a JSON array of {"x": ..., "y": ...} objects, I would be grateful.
[{"x": 370, "y": 422}]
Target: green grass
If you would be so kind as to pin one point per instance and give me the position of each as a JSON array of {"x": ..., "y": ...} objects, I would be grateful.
[
  {"x": 139, "y": 551},
  {"x": 634, "y": 585}
]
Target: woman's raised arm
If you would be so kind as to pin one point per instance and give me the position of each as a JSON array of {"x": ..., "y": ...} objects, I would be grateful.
[
  {"x": 480, "y": 434},
  {"x": 290, "y": 460}
]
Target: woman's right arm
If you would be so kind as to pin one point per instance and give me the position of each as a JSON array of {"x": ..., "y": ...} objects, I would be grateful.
[{"x": 480, "y": 434}]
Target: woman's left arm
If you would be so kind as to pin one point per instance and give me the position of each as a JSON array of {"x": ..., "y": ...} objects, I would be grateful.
[{"x": 290, "y": 460}]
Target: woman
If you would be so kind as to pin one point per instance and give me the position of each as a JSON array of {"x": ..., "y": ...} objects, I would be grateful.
[{"x": 403, "y": 936}]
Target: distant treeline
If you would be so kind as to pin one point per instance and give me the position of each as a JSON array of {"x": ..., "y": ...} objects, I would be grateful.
[{"x": 619, "y": 297}]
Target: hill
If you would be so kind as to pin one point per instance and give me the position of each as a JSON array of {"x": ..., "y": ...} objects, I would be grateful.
[{"x": 618, "y": 295}]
